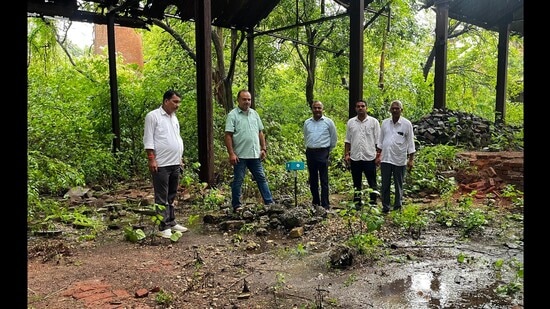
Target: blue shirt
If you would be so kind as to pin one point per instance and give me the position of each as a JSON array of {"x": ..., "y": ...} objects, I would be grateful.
[{"x": 320, "y": 133}]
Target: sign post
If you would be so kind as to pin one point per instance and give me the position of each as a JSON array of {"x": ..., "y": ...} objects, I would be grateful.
[{"x": 295, "y": 166}]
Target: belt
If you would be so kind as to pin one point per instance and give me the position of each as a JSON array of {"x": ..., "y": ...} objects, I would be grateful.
[{"x": 317, "y": 149}]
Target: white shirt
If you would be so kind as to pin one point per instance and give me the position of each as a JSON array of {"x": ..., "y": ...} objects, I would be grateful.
[
  {"x": 162, "y": 134},
  {"x": 362, "y": 137},
  {"x": 396, "y": 141}
]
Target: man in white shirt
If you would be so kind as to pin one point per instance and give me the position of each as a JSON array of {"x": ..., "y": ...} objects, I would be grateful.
[
  {"x": 362, "y": 133},
  {"x": 396, "y": 148},
  {"x": 164, "y": 146}
]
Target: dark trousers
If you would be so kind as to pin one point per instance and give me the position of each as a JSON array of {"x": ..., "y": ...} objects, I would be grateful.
[
  {"x": 389, "y": 171},
  {"x": 165, "y": 184},
  {"x": 317, "y": 166},
  {"x": 368, "y": 168}
]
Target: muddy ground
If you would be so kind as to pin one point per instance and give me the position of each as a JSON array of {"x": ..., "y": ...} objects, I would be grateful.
[{"x": 211, "y": 268}]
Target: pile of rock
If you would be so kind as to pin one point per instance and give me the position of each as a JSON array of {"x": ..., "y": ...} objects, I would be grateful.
[{"x": 448, "y": 127}]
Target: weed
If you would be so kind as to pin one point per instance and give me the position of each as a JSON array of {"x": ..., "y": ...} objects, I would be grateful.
[
  {"x": 474, "y": 221},
  {"x": 300, "y": 250},
  {"x": 350, "y": 280},
  {"x": 247, "y": 228},
  {"x": 411, "y": 220},
  {"x": 516, "y": 196},
  {"x": 368, "y": 219},
  {"x": 366, "y": 244},
  {"x": 194, "y": 220},
  {"x": 237, "y": 238},
  {"x": 163, "y": 298},
  {"x": 516, "y": 283}
]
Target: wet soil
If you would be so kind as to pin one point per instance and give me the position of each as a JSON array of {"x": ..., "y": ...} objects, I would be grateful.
[{"x": 209, "y": 268}]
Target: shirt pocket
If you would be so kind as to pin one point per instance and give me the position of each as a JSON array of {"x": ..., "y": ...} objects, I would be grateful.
[{"x": 399, "y": 138}]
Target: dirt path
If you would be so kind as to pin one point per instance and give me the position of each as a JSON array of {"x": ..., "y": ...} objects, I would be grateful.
[{"x": 210, "y": 269}]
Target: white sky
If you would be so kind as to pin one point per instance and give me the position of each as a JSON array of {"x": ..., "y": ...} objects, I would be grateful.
[{"x": 81, "y": 34}]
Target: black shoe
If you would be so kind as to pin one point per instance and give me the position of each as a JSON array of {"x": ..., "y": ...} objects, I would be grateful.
[
  {"x": 385, "y": 210},
  {"x": 397, "y": 208},
  {"x": 237, "y": 209}
]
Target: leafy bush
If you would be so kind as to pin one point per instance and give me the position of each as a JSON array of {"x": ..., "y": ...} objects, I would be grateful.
[
  {"x": 433, "y": 169},
  {"x": 51, "y": 176}
]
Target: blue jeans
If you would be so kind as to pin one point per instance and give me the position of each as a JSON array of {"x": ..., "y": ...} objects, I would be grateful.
[
  {"x": 257, "y": 170},
  {"x": 388, "y": 170},
  {"x": 165, "y": 184}
]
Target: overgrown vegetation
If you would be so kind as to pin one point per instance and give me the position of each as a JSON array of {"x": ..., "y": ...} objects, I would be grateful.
[{"x": 70, "y": 139}]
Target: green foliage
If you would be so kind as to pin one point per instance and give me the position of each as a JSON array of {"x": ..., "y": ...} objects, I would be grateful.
[
  {"x": 411, "y": 219},
  {"x": 247, "y": 228},
  {"x": 515, "y": 195},
  {"x": 280, "y": 282},
  {"x": 133, "y": 235},
  {"x": 461, "y": 257},
  {"x": 237, "y": 238},
  {"x": 446, "y": 216},
  {"x": 164, "y": 298},
  {"x": 176, "y": 235},
  {"x": 47, "y": 214},
  {"x": 70, "y": 135},
  {"x": 212, "y": 200},
  {"x": 473, "y": 221},
  {"x": 431, "y": 168},
  {"x": 515, "y": 284},
  {"x": 194, "y": 220},
  {"x": 366, "y": 220},
  {"x": 366, "y": 244},
  {"x": 505, "y": 138},
  {"x": 350, "y": 280},
  {"x": 50, "y": 175},
  {"x": 300, "y": 250},
  {"x": 156, "y": 218}
]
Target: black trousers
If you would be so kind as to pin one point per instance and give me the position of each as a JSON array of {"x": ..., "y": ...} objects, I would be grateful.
[
  {"x": 165, "y": 184},
  {"x": 317, "y": 166},
  {"x": 368, "y": 168}
]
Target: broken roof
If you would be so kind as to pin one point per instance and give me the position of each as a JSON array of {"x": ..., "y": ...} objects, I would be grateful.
[
  {"x": 246, "y": 14},
  {"x": 487, "y": 14},
  {"x": 234, "y": 14}
]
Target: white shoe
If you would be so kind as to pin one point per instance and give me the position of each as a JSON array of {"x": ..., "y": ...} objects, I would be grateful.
[
  {"x": 165, "y": 233},
  {"x": 179, "y": 228}
]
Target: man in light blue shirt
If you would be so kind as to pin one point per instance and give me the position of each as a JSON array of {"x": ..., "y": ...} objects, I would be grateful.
[{"x": 320, "y": 138}]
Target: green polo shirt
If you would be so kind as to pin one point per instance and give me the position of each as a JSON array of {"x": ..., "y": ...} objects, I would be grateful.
[{"x": 246, "y": 127}]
